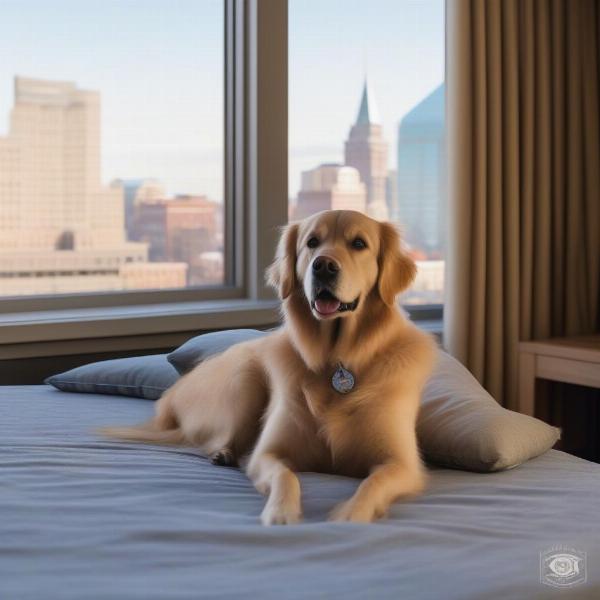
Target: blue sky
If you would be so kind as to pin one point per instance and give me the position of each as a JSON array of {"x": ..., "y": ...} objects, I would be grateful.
[
  {"x": 158, "y": 65},
  {"x": 333, "y": 43}
]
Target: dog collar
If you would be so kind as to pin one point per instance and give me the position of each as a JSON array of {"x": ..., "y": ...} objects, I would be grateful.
[{"x": 342, "y": 380}]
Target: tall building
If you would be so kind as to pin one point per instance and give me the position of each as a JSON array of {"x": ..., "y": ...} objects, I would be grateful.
[
  {"x": 367, "y": 151},
  {"x": 50, "y": 170},
  {"x": 61, "y": 230},
  {"x": 421, "y": 205},
  {"x": 330, "y": 187}
]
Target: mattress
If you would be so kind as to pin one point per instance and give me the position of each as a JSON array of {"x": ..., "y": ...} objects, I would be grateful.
[{"x": 82, "y": 517}]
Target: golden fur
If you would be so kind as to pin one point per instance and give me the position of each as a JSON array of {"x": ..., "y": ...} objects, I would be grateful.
[{"x": 270, "y": 403}]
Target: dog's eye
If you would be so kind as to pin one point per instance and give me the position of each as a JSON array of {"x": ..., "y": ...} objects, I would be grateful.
[
  {"x": 313, "y": 242},
  {"x": 359, "y": 244}
]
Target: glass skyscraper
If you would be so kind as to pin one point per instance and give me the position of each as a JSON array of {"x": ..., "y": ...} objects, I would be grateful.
[{"x": 421, "y": 205}]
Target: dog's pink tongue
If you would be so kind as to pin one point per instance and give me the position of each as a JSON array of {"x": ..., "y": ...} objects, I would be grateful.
[{"x": 327, "y": 307}]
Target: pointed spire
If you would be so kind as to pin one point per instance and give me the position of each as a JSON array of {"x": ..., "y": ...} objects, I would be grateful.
[{"x": 367, "y": 113}]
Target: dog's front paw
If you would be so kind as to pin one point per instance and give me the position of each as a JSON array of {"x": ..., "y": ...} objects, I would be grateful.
[
  {"x": 280, "y": 514},
  {"x": 354, "y": 511}
]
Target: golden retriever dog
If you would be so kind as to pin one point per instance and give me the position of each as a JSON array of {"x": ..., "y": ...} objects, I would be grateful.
[{"x": 336, "y": 389}]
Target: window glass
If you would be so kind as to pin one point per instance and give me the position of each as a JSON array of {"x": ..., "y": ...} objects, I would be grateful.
[
  {"x": 111, "y": 145},
  {"x": 367, "y": 120}
]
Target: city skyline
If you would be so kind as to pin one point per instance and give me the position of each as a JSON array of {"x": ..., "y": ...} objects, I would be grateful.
[
  {"x": 158, "y": 66},
  {"x": 159, "y": 129},
  {"x": 161, "y": 76},
  {"x": 412, "y": 195},
  {"x": 402, "y": 55},
  {"x": 63, "y": 231}
]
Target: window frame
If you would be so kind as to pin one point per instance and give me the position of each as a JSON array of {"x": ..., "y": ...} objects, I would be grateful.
[
  {"x": 429, "y": 316},
  {"x": 255, "y": 181},
  {"x": 232, "y": 286}
]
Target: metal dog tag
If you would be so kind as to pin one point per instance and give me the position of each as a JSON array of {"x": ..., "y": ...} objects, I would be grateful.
[{"x": 342, "y": 380}]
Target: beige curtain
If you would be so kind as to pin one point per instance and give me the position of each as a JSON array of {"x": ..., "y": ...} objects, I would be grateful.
[{"x": 523, "y": 259}]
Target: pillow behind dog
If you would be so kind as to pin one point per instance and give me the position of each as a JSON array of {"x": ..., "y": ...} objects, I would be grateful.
[
  {"x": 460, "y": 425},
  {"x": 139, "y": 376},
  {"x": 147, "y": 376},
  {"x": 201, "y": 347}
]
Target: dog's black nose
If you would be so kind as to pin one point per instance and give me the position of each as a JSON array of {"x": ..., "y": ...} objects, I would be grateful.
[{"x": 325, "y": 268}]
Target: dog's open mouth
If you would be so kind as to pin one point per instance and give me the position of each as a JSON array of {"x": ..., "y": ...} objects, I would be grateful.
[{"x": 325, "y": 303}]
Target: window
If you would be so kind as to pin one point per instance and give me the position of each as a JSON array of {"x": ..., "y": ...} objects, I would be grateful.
[
  {"x": 161, "y": 106},
  {"x": 111, "y": 145},
  {"x": 366, "y": 120}
]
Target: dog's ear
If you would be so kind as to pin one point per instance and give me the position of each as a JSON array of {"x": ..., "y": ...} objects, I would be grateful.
[
  {"x": 397, "y": 270},
  {"x": 282, "y": 273}
]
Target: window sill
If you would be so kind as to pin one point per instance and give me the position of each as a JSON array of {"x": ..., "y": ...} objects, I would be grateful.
[
  {"x": 19, "y": 331},
  {"x": 72, "y": 331}
]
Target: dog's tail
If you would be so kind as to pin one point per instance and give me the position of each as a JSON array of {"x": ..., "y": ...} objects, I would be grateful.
[
  {"x": 162, "y": 429},
  {"x": 147, "y": 433}
]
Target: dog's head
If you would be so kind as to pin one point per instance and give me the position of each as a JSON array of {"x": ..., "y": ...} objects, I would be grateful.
[{"x": 339, "y": 259}]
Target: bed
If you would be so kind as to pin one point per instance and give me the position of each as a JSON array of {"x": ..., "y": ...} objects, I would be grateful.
[{"x": 82, "y": 517}]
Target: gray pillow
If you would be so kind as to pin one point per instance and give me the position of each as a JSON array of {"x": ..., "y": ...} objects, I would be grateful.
[
  {"x": 201, "y": 347},
  {"x": 461, "y": 426},
  {"x": 140, "y": 376}
]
